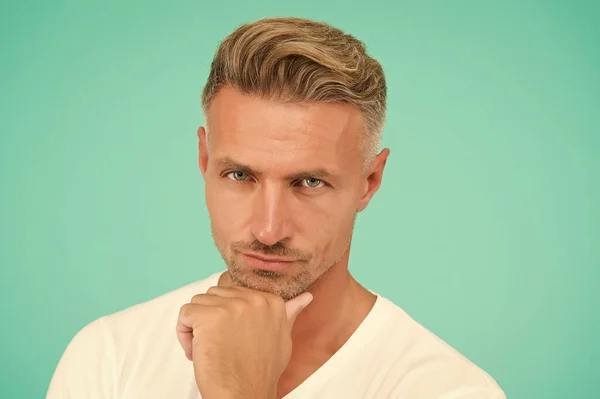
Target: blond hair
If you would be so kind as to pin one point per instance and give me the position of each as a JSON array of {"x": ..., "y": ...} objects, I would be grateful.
[{"x": 295, "y": 59}]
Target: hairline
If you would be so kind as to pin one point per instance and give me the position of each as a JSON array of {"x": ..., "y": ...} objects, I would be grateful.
[{"x": 368, "y": 153}]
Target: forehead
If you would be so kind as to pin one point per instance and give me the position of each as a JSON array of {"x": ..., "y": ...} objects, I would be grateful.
[{"x": 289, "y": 135}]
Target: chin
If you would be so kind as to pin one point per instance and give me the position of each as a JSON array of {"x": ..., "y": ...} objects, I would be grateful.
[{"x": 279, "y": 283}]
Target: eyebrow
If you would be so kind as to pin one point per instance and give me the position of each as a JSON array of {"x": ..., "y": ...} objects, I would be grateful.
[{"x": 228, "y": 163}]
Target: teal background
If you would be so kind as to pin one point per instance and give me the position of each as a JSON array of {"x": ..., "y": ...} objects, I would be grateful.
[{"x": 486, "y": 228}]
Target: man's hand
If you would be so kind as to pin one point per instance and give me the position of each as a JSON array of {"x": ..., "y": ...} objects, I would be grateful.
[{"x": 239, "y": 340}]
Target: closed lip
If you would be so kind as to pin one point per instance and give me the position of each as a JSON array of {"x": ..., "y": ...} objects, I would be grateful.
[{"x": 268, "y": 258}]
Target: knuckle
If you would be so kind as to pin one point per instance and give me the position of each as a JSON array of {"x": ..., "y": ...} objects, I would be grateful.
[
  {"x": 239, "y": 306},
  {"x": 186, "y": 311},
  {"x": 221, "y": 312},
  {"x": 275, "y": 301},
  {"x": 259, "y": 300}
]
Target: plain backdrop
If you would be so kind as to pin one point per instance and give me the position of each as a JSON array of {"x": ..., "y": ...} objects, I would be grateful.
[{"x": 486, "y": 228}]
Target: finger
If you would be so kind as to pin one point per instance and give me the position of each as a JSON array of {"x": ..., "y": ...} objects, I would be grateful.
[
  {"x": 294, "y": 306},
  {"x": 254, "y": 297},
  {"x": 227, "y": 292},
  {"x": 208, "y": 299},
  {"x": 189, "y": 315},
  {"x": 185, "y": 336},
  {"x": 184, "y": 331}
]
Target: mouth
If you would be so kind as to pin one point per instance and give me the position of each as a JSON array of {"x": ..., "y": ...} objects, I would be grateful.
[{"x": 267, "y": 262}]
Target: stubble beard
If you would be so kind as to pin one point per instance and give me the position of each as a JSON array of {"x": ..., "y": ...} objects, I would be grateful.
[{"x": 285, "y": 285}]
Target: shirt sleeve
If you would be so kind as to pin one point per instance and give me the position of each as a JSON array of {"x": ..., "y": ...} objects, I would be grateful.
[
  {"x": 448, "y": 380},
  {"x": 87, "y": 368}
]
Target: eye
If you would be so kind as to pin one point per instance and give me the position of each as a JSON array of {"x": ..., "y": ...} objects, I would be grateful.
[
  {"x": 237, "y": 176},
  {"x": 312, "y": 182}
]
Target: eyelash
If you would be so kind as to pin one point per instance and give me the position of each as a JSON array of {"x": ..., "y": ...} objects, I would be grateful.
[{"x": 226, "y": 174}]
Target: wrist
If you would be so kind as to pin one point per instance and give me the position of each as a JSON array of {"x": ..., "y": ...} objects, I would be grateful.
[{"x": 240, "y": 393}]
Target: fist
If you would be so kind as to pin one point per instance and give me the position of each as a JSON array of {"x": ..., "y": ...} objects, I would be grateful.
[{"x": 239, "y": 340}]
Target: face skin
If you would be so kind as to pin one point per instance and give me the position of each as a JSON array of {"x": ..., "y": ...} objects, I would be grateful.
[{"x": 284, "y": 180}]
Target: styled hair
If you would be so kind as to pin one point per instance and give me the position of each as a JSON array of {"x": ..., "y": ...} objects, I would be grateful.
[{"x": 300, "y": 60}]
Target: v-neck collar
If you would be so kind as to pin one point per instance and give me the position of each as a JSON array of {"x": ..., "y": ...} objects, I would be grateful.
[{"x": 365, "y": 332}]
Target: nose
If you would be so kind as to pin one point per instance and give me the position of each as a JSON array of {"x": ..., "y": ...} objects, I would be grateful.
[{"x": 270, "y": 218}]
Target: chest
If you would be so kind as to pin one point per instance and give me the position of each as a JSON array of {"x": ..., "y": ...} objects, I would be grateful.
[{"x": 298, "y": 371}]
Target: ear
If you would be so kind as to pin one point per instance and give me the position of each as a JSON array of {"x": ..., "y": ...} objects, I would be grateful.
[
  {"x": 202, "y": 150},
  {"x": 373, "y": 180}
]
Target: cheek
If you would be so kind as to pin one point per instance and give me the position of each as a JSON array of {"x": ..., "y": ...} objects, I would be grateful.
[
  {"x": 328, "y": 231},
  {"x": 225, "y": 211}
]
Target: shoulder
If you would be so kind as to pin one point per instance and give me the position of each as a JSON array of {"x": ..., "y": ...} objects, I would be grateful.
[
  {"x": 137, "y": 331},
  {"x": 103, "y": 349},
  {"x": 155, "y": 312},
  {"x": 422, "y": 365},
  {"x": 89, "y": 352}
]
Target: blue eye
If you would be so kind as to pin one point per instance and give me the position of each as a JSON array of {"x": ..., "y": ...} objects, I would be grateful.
[
  {"x": 237, "y": 176},
  {"x": 312, "y": 182}
]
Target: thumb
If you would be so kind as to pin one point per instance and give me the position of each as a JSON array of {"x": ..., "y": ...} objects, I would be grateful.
[{"x": 294, "y": 306}]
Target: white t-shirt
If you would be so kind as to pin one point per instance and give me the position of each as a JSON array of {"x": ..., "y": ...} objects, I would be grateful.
[{"x": 134, "y": 354}]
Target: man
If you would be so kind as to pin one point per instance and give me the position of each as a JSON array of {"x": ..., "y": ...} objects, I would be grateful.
[{"x": 294, "y": 113}]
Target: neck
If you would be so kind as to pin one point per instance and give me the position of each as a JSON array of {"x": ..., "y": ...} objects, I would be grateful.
[{"x": 339, "y": 305}]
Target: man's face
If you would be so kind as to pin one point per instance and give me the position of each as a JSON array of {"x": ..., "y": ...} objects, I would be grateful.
[{"x": 282, "y": 181}]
